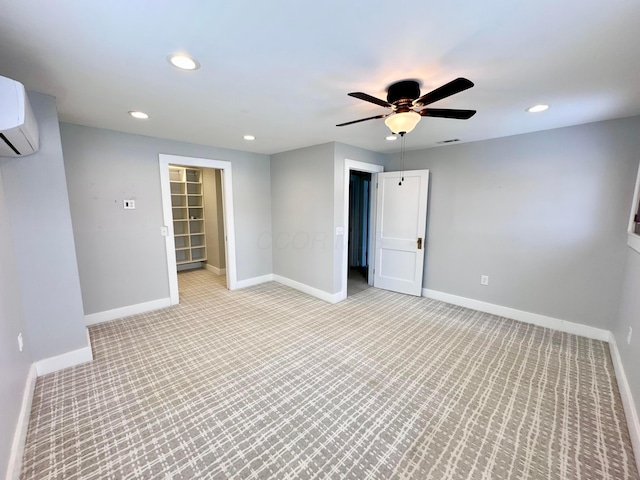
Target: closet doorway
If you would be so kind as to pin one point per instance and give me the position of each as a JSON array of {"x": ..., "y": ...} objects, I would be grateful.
[
  {"x": 360, "y": 197},
  {"x": 197, "y": 202},
  {"x": 359, "y": 218},
  {"x": 198, "y": 219}
]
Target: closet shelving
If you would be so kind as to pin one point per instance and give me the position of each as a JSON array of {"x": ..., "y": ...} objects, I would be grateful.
[{"x": 188, "y": 214}]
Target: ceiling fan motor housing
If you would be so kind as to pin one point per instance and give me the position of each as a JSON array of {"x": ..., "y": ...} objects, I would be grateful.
[{"x": 407, "y": 90}]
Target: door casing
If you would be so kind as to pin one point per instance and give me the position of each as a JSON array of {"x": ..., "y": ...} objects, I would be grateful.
[{"x": 374, "y": 169}]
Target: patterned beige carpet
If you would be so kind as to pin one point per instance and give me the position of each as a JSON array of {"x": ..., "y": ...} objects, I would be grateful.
[{"x": 268, "y": 382}]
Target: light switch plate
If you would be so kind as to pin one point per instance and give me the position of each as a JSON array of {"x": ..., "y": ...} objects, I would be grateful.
[{"x": 339, "y": 230}]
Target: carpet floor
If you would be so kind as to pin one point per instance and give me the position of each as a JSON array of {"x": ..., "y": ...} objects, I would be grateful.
[{"x": 268, "y": 382}]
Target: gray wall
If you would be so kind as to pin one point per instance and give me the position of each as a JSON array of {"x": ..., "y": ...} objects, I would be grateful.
[
  {"x": 214, "y": 221},
  {"x": 543, "y": 214},
  {"x": 308, "y": 204},
  {"x": 302, "y": 200},
  {"x": 630, "y": 317},
  {"x": 14, "y": 366},
  {"x": 121, "y": 254},
  {"x": 38, "y": 207}
]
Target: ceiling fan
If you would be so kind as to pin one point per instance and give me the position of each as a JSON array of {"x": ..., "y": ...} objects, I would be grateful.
[{"x": 404, "y": 97}]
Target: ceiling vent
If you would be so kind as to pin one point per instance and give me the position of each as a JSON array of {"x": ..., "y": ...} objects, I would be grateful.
[{"x": 18, "y": 126}]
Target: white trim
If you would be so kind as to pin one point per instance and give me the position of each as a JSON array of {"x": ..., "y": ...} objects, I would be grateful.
[
  {"x": 167, "y": 214},
  {"x": 360, "y": 167},
  {"x": 521, "y": 315},
  {"x": 315, "y": 292},
  {"x": 228, "y": 216},
  {"x": 108, "y": 315},
  {"x": 634, "y": 205},
  {"x": 250, "y": 282},
  {"x": 633, "y": 240},
  {"x": 627, "y": 399},
  {"x": 20, "y": 434},
  {"x": 218, "y": 271},
  {"x": 66, "y": 360}
]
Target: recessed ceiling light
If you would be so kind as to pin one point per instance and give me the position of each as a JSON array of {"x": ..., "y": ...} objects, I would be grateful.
[
  {"x": 249, "y": 137},
  {"x": 137, "y": 114},
  {"x": 537, "y": 108},
  {"x": 391, "y": 138},
  {"x": 183, "y": 62}
]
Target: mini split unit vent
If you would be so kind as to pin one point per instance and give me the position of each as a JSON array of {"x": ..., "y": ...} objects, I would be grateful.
[{"x": 18, "y": 126}]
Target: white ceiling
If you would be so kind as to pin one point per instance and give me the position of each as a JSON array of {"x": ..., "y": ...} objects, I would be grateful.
[{"x": 281, "y": 70}]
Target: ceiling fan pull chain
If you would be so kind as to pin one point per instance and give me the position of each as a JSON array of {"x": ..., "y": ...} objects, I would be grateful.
[{"x": 401, "y": 158}]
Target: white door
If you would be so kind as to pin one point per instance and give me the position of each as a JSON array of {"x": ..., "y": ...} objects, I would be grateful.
[{"x": 401, "y": 221}]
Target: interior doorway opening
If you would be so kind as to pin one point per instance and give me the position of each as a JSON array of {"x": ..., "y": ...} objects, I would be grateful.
[
  {"x": 197, "y": 205},
  {"x": 353, "y": 248},
  {"x": 360, "y": 195},
  {"x": 198, "y": 218}
]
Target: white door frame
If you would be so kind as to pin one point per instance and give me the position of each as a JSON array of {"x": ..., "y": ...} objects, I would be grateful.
[
  {"x": 360, "y": 167},
  {"x": 227, "y": 208}
]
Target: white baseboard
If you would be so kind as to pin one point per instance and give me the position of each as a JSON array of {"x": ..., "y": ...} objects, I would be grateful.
[
  {"x": 629, "y": 405},
  {"x": 108, "y": 315},
  {"x": 520, "y": 315},
  {"x": 66, "y": 360},
  {"x": 20, "y": 434},
  {"x": 189, "y": 266},
  {"x": 315, "y": 292},
  {"x": 216, "y": 270},
  {"x": 250, "y": 282}
]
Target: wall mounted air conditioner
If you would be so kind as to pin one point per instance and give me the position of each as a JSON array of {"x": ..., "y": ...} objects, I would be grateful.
[{"x": 18, "y": 126}]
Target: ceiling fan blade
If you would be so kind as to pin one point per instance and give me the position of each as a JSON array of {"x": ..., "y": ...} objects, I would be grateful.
[
  {"x": 455, "y": 86},
  {"x": 369, "y": 98},
  {"x": 447, "y": 113},
  {"x": 364, "y": 119}
]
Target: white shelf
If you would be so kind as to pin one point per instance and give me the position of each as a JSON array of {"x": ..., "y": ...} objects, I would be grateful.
[{"x": 186, "y": 187}]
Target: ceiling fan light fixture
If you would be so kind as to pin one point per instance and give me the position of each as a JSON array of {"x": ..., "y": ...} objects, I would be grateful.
[
  {"x": 391, "y": 138},
  {"x": 402, "y": 122}
]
